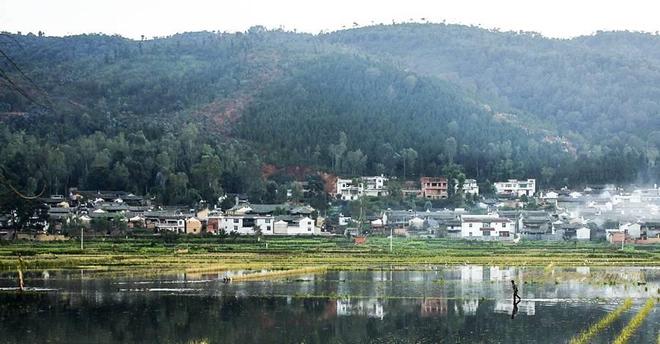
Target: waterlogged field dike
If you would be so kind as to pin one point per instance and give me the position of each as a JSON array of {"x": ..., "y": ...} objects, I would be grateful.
[{"x": 185, "y": 254}]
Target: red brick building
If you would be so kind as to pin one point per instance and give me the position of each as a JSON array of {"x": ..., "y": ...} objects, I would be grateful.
[{"x": 434, "y": 187}]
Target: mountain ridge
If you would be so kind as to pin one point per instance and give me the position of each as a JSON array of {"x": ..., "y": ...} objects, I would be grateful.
[{"x": 283, "y": 98}]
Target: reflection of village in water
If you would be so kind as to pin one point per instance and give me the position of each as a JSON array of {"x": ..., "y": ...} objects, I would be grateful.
[
  {"x": 465, "y": 289},
  {"x": 437, "y": 291},
  {"x": 435, "y": 303},
  {"x": 465, "y": 302}
]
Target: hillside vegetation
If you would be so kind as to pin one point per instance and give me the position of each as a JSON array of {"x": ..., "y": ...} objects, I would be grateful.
[{"x": 191, "y": 116}]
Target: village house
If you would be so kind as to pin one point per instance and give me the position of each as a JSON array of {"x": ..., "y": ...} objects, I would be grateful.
[
  {"x": 434, "y": 187},
  {"x": 347, "y": 190},
  {"x": 213, "y": 221},
  {"x": 249, "y": 224},
  {"x": 550, "y": 198},
  {"x": 532, "y": 224},
  {"x": 245, "y": 224},
  {"x": 107, "y": 196},
  {"x": 486, "y": 227},
  {"x": 268, "y": 219},
  {"x": 454, "y": 228},
  {"x": 516, "y": 187},
  {"x": 351, "y": 190},
  {"x": 650, "y": 229},
  {"x": 172, "y": 221},
  {"x": 615, "y": 236},
  {"x": 374, "y": 186},
  {"x": 411, "y": 189},
  {"x": 470, "y": 187},
  {"x": 193, "y": 226},
  {"x": 583, "y": 233},
  {"x": 632, "y": 230},
  {"x": 290, "y": 225}
]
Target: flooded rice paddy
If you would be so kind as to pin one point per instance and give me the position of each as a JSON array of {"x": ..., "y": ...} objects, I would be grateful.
[{"x": 433, "y": 304}]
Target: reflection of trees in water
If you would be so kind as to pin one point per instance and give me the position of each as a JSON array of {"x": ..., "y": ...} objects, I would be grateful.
[
  {"x": 451, "y": 311},
  {"x": 171, "y": 318}
]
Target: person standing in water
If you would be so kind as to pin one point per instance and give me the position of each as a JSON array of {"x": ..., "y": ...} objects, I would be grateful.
[{"x": 515, "y": 291}]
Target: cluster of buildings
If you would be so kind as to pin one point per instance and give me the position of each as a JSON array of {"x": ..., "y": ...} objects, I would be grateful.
[
  {"x": 517, "y": 211},
  {"x": 623, "y": 214},
  {"x": 116, "y": 210},
  {"x": 113, "y": 212},
  {"x": 265, "y": 219},
  {"x": 431, "y": 188},
  {"x": 503, "y": 225},
  {"x": 591, "y": 214}
]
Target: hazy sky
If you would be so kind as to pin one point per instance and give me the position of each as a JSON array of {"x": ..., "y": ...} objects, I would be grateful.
[{"x": 556, "y": 18}]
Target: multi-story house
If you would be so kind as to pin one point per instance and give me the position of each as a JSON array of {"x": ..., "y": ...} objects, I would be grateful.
[
  {"x": 246, "y": 224},
  {"x": 516, "y": 187},
  {"x": 470, "y": 187},
  {"x": 347, "y": 190},
  {"x": 374, "y": 186},
  {"x": 487, "y": 226},
  {"x": 434, "y": 187},
  {"x": 350, "y": 190}
]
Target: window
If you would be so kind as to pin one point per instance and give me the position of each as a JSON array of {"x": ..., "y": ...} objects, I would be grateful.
[
  {"x": 503, "y": 225},
  {"x": 267, "y": 220},
  {"x": 470, "y": 233},
  {"x": 470, "y": 225},
  {"x": 267, "y": 228},
  {"x": 235, "y": 220},
  {"x": 236, "y": 228},
  {"x": 486, "y": 233}
]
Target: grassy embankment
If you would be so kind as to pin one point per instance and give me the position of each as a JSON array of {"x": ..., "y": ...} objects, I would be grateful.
[{"x": 284, "y": 253}]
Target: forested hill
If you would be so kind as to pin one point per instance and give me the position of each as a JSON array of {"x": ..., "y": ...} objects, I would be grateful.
[
  {"x": 593, "y": 89},
  {"x": 195, "y": 115}
]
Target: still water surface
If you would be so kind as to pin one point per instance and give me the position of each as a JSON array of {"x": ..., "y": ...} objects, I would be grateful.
[{"x": 462, "y": 304}]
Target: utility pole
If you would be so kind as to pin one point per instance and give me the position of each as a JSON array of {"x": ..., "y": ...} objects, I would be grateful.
[
  {"x": 81, "y": 237},
  {"x": 391, "y": 237}
]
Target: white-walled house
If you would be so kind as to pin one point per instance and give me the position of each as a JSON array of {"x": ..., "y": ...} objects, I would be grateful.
[
  {"x": 517, "y": 187},
  {"x": 633, "y": 230},
  {"x": 374, "y": 186},
  {"x": 350, "y": 190},
  {"x": 177, "y": 225},
  {"x": 583, "y": 233},
  {"x": 246, "y": 224},
  {"x": 347, "y": 190},
  {"x": 269, "y": 225},
  {"x": 470, "y": 187},
  {"x": 487, "y": 226},
  {"x": 295, "y": 226},
  {"x": 301, "y": 226}
]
